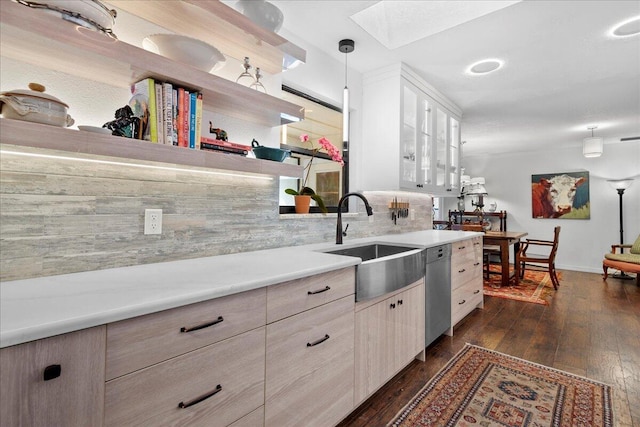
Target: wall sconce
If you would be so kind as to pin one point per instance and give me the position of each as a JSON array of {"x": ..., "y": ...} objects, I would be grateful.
[{"x": 593, "y": 145}]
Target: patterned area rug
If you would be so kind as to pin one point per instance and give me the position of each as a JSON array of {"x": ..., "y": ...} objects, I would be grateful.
[
  {"x": 535, "y": 287},
  {"x": 481, "y": 387}
]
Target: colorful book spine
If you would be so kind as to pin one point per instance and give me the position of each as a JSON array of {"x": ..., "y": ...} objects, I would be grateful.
[
  {"x": 193, "y": 101},
  {"x": 145, "y": 91},
  {"x": 199, "y": 106},
  {"x": 174, "y": 117},
  {"x": 186, "y": 118},
  {"x": 180, "y": 122},
  {"x": 211, "y": 141},
  {"x": 159, "y": 113},
  {"x": 167, "y": 96},
  {"x": 222, "y": 149}
]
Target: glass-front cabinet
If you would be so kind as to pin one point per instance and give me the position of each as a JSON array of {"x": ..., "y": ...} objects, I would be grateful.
[{"x": 425, "y": 137}]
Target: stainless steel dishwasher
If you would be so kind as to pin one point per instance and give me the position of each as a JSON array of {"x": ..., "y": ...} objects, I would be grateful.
[{"x": 437, "y": 292}]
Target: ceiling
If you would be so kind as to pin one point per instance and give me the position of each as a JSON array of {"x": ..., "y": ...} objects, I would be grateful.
[{"x": 562, "y": 71}]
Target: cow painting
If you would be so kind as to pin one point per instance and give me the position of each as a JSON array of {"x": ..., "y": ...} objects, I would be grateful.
[{"x": 563, "y": 195}]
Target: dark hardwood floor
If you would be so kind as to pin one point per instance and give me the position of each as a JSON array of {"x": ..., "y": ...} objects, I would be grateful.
[{"x": 590, "y": 328}]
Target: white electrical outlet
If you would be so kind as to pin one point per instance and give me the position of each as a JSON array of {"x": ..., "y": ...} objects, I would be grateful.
[{"x": 153, "y": 221}]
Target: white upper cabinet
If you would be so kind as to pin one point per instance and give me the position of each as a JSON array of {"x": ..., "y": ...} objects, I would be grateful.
[{"x": 411, "y": 134}]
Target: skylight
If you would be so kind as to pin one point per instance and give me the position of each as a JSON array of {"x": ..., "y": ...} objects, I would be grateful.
[{"x": 396, "y": 23}]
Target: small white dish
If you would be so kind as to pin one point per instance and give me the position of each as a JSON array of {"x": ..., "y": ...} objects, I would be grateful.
[
  {"x": 187, "y": 50},
  {"x": 94, "y": 129}
]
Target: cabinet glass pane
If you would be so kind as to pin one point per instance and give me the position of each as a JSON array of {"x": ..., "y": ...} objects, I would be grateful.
[
  {"x": 425, "y": 140},
  {"x": 441, "y": 147},
  {"x": 454, "y": 147},
  {"x": 409, "y": 139}
]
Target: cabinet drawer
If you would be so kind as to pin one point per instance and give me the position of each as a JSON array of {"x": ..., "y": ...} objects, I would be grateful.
[
  {"x": 464, "y": 299},
  {"x": 153, "y": 396},
  {"x": 310, "y": 381},
  {"x": 74, "y": 398},
  {"x": 462, "y": 249},
  {"x": 463, "y": 272},
  {"x": 142, "y": 341},
  {"x": 289, "y": 298}
]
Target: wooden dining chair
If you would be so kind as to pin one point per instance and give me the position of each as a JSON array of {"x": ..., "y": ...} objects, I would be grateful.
[{"x": 525, "y": 257}]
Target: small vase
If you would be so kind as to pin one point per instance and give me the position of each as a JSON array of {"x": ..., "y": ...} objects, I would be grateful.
[{"x": 302, "y": 204}]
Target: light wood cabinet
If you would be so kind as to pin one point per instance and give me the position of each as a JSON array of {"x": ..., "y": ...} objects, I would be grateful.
[
  {"x": 389, "y": 334},
  {"x": 57, "y": 381},
  {"x": 145, "y": 340},
  {"x": 466, "y": 279},
  {"x": 212, "y": 386},
  {"x": 310, "y": 350},
  {"x": 289, "y": 298},
  {"x": 310, "y": 366},
  {"x": 418, "y": 130}
]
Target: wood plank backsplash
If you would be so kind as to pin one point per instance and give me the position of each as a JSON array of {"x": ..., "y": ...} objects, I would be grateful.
[{"x": 62, "y": 216}]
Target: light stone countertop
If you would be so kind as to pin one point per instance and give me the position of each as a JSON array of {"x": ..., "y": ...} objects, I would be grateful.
[{"x": 42, "y": 307}]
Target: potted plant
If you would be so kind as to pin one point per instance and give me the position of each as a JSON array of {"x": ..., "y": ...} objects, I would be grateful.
[{"x": 305, "y": 194}]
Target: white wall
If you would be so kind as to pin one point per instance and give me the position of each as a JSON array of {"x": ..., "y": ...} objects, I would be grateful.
[{"x": 582, "y": 242}]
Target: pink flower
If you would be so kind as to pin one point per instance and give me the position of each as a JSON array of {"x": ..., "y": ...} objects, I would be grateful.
[
  {"x": 304, "y": 137},
  {"x": 332, "y": 150}
]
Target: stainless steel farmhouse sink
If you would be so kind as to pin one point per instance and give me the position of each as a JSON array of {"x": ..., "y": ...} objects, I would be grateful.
[{"x": 384, "y": 267}]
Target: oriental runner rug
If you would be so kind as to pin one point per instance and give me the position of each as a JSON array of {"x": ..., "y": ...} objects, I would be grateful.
[
  {"x": 480, "y": 387},
  {"x": 535, "y": 286}
]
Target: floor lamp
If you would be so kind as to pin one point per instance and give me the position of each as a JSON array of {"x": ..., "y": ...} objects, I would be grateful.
[{"x": 621, "y": 185}]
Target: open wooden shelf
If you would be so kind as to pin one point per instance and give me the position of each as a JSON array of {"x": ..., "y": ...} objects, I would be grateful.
[
  {"x": 27, "y": 134},
  {"x": 220, "y": 25},
  {"x": 42, "y": 39}
]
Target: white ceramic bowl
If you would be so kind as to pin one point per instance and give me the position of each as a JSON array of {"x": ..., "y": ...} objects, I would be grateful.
[
  {"x": 187, "y": 50},
  {"x": 263, "y": 13}
]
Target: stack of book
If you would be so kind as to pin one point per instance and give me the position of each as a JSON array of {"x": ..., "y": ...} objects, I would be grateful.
[
  {"x": 170, "y": 114},
  {"x": 224, "y": 146}
]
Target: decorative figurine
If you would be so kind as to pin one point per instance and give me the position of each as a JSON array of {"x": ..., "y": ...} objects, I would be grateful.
[
  {"x": 220, "y": 134},
  {"x": 125, "y": 124}
]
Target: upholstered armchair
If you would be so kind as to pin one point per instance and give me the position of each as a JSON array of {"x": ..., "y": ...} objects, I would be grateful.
[{"x": 628, "y": 263}]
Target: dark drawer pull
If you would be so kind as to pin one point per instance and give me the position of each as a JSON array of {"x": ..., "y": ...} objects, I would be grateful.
[
  {"x": 461, "y": 247},
  {"x": 51, "y": 372},
  {"x": 477, "y": 291},
  {"x": 400, "y": 302},
  {"x": 206, "y": 325},
  {"x": 319, "y": 291},
  {"x": 476, "y": 264},
  {"x": 183, "y": 405},
  {"x": 392, "y": 306},
  {"x": 462, "y": 302},
  {"x": 462, "y": 271},
  {"x": 320, "y": 341}
]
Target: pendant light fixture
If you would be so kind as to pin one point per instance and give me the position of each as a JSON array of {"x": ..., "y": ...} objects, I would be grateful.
[
  {"x": 592, "y": 146},
  {"x": 345, "y": 46}
]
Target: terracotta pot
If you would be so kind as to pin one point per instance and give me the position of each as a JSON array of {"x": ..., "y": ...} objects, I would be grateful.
[{"x": 302, "y": 204}]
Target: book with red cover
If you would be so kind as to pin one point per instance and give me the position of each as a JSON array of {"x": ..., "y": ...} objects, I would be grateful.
[
  {"x": 221, "y": 149},
  {"x": 228, "y": 144}
]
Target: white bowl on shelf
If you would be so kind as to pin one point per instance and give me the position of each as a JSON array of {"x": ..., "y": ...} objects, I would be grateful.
[
  {"x": 263, "y": 13},
  {"x": 185, "y": 49}
]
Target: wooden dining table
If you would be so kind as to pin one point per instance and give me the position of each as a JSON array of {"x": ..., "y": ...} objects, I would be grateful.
[{"x": 504, "y": 239}]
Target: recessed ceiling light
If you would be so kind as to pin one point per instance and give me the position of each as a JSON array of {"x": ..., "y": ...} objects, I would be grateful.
[
  {"x": 628, "y": 28},
  {"x": 485, "y": 66}
]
